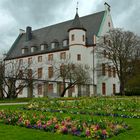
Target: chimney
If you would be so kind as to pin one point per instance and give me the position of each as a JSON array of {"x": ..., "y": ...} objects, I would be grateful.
[
  {"x": 21, "y": 31},
  {"x": 107, "y": 6},
  {"x": 28, "y": 33}
]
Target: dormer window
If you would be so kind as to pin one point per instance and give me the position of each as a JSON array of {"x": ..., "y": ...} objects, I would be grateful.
[
  {"x": 43, "y": 47},
  {"x": 54, "y": 44},
  {"x": 24, "y": 50},
  {"x": 33, "y": 48},
  {"x": 65, "y": 43}
]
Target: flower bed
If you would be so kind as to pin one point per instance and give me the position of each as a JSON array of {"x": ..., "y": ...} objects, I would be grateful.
[
  {"x": 98, "y": 129},
  {"x": 127, "y": 108}
]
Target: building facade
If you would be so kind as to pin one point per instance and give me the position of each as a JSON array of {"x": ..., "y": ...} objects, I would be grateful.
[{"x": 75, "y": 41}]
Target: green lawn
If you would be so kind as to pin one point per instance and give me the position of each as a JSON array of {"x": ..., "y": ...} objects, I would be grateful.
[{"x": 8, "y": 132}]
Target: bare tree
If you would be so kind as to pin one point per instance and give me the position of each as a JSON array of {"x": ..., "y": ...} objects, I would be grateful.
[
  {"x": 72, "y": 74},
  {"x": 123, "y": 49},
  {"x": 15, "y": 76}
]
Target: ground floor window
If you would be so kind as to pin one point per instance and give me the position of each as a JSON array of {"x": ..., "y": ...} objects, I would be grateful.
[
  {"x": 39, "y": 89},
  {"x": 114, "y": 88},
  {"x": 50, "y": 88},
  {"x": 103, "y": 88}
]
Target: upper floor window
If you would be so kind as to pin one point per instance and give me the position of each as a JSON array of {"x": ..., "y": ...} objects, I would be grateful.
[
  {"x": 114, "y": 72},
  {"x": 24, "y": 50},
  {"x": 63, "y": 55},
  {"x": 50, "y": 72},
  {"x": 40, "y": 72},
  {"x": 72, "y": 37},
  {"x": 109, "y": 71},
  {"x": 20, "y": 74},
  {"x": 83, "y": 37},
  {"x": 20, "y": 61},
  {"x": 103, "y": 69},
  {"x": 78, "y": 57},
  {"x": 50, "y": 57},
  {"x": 50, "y": 88},
  {"x": 109, "y": 24},
  {"x": 30, "y": 73},
  {"x": 39, "y": 58},
  {"x": 104, "y": 53},
  {"x": 29, "y": 60}
]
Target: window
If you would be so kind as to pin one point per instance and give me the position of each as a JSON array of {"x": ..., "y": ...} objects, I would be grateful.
[
  {"x": 104, "y": 40},
  {"x": 78, "y": 57},
  {"x": 114, "y": 88},
  {"x": 65, "y": 43},
  {"x": 50, "y": 72},
  {"x": 61, "y": 69},
  {"x": 114, "y": 72},
  {"x": 61, "y": 87},
  {"x": 39, "y": 89},
  {"x": 23, "y": 51},
  {"x": 30, "y": 60},
  {"x": 39, "y": 58},
  {"x": 109, "y": 55},
  {"x": 63, "y": 55},
  {"x": 83, "y": 37},
  {"x": 109, "y": 71},
  {"x": 72, "y": 89},
  {"x": 50, "y": 57},
  {"x": 103, "y": 69},
  {"x": 72, "y": 37},
  {"x": 42, "y": 47},
  {"x": 39, "y": 72},
  {"x": 32, "y": 49},
  {"x": 30, "y": 73},
  {"x": 109, "y": 24},
  {"x": 103, "y": 89},
  {"x": 50, "y": 88},
  {"x": 109, "y": 43},
  {"x": 20, "y": 74},
  {"x": 20, "y": 61},
  {"x": 105, "y": 53},
  {"x": 53, "y": 45}
]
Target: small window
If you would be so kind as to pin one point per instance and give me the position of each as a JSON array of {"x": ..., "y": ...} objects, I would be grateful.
[
  {"x": 109, "y": 43},
  {"x": 30, "y": 73},
  {"x": 20, "y": 74},
  {"x": 50, "y": 57},
  {"x": 105, "y": 53},
  {"x": 53, "y": 45},
  {"x": 63, "y": 55},
  {"x": 30, "y": 60},
  {"x": 50, "y": 72},
  {"x": 40, "y": 89},
  {"x": 72, "y": 37},
  {"x": 65, "y": 43},
  {"x": 103, "y": 69},
  {"x": 78, "y": 57},
  {"x": 104, "y": 40},
  {"x": 114, "y": 72},
  {"x": 114, "y": 89},
  {"x": 23, "y": 51},
  {"x": 39, "y": 58},
  {"x": 109, "y": 71},
  {"x": 109, "y": 24},
  {"x": 83, "y": 37},
  {"x": 40, "y": 72},
  {"x": 20, "y": 61},
  {"x": 103, "y": 88},
  {"x": 32, "y": 49},
  {"x": 43, "y": 46}
]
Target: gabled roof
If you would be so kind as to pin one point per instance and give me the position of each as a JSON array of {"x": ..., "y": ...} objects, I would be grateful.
[{"x": 59, "y": 32}]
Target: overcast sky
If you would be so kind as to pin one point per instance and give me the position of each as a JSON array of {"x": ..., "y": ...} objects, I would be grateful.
[{"x": 17, "y": 14}]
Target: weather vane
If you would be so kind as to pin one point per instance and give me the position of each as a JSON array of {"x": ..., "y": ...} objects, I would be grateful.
[{"x": 77, "y": 7}]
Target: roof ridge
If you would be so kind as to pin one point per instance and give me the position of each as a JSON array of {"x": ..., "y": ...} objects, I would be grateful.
[{"x": 68, "y": 21}]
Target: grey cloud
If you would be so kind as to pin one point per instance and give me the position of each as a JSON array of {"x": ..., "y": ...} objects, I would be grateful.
[
  {"x": 35, "y": 12},
  {"x": 125, "y": 14}
]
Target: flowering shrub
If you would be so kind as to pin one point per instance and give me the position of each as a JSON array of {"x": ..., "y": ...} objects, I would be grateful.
[{"x": 99, "y": 129}]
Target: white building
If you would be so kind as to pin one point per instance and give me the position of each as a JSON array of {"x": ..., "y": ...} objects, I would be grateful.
[{"x": 74, "y": 39}]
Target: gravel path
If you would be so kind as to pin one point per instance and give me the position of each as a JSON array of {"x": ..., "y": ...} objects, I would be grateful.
[{"x": 21, "y": 103}]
